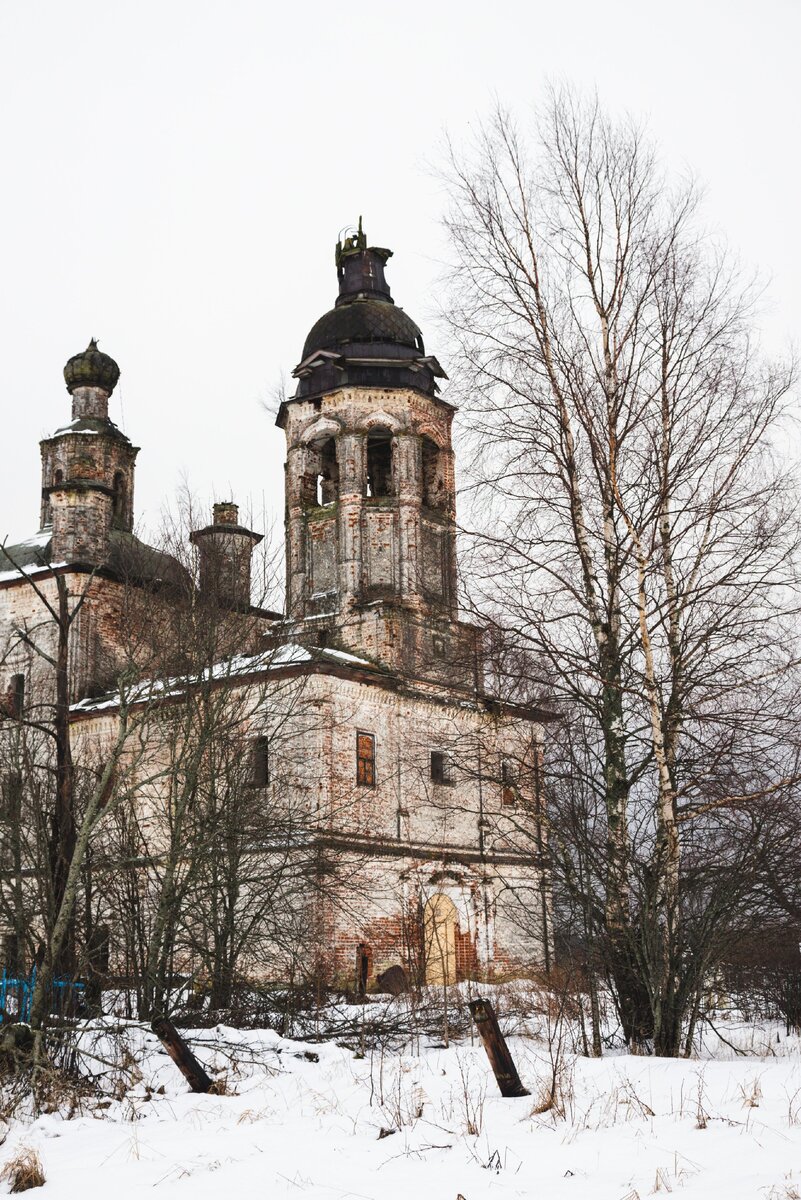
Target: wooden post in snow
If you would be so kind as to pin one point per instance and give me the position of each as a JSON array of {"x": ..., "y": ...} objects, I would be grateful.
[
  {"x": 498, "y": 1053},
  {"x": 181, "y": 1055}
]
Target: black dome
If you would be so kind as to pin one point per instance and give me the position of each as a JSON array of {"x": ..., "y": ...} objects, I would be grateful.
[
  {"x": 364, "y": 340},
  {"x": 361, "y": 322}
]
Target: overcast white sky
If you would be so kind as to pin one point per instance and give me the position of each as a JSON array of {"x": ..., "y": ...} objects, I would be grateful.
[{"x": 175, "y": 174}]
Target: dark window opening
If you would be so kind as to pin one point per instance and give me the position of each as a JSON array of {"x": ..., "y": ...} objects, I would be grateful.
[
  {"x": 508, "y": 784},
  {"x": 380, "y": 463},
  {"x": 118, "y": 501},
  {"x": 260, "y": 763},
  {"x": 321, "y": 481},
  {"x": 17, "y": 696},
  {"x": 434, "y": 494},
  {"x": 58, "y": 478},
  {"x": 322, "y": 637},
  {"x": 441, "y": 771},
  {"x": 365, "y": 759},
  {"x": 363, "y": 957},
  {"x": 328, "y": 479}
]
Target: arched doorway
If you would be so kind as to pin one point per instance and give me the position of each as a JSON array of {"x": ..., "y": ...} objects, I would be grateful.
[
  {"x": 439, "y": 928},
  {"x": 363, "y": 964}
]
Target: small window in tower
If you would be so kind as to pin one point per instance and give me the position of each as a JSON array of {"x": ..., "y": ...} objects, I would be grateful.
[
  {"x": 365, "y": 759},
  {"x": 260, "y": 763},
  {"x": 58, "y": 479},
  {"x": 434, "y": 495},
  {"x": 441, "y": 767},
  {"x": 118, "y": 501},
  {"x": 380, "y": 463}
]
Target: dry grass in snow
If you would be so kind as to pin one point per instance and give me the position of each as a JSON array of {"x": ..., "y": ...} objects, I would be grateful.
[{"x": 430, "y": 1124}]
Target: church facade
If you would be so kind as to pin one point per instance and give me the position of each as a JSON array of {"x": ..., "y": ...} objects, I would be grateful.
[{"x": 405, "y": 772}]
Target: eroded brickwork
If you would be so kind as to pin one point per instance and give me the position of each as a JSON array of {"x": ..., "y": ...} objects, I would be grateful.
[{"x": 429, "y": 852}]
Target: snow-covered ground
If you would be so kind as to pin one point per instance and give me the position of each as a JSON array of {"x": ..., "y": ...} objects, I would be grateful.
[{"x": 403, "y": 1126}]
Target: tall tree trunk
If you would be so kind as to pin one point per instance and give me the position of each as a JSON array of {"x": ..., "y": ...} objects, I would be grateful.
[{"x": 63, "y": 834}]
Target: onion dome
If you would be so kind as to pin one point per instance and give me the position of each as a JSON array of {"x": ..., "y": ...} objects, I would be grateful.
[
  {"x": 92, "y": 368},
  {"x": 365, "y": 339}
]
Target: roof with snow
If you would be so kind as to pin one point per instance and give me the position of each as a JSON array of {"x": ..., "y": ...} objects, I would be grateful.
[
  {"x": 129, "y": 558},
  {"x": 231, "y": 670}
]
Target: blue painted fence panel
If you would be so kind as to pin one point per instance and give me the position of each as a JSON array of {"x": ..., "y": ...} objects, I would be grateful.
[{"x": 16, "y": 994}]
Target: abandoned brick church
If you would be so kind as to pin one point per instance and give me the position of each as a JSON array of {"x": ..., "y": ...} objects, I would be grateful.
[{"x": 425, "y": 787}]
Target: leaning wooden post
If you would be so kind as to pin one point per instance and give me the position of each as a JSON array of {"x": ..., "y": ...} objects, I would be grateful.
[
  {"x": 501, "y": 1060},
  {"x": 181, "y": 1055}
]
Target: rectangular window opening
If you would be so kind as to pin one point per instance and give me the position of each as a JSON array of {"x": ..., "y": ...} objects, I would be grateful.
[
  {"x": 260, "y": 763},
  {"x": 441, "y": 767},
  {"x": 17, "y": 696},
  {"x": 365, "y": 759}
]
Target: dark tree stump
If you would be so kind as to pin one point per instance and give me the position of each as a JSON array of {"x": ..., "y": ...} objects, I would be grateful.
[
  {"x": 181, "y": 1055},
  {"x": 501, "y": 1060}
]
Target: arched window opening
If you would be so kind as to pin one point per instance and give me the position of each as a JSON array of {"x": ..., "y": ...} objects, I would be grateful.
[
  {"x": 118, "y": 501},
  {"x": 321, "y": 480},
  {"x": 58, "y": 479},
  {"x": 439, "y": 927},
  {"x": 380, "y": 463},
  {"x": 434, "y": 494}
]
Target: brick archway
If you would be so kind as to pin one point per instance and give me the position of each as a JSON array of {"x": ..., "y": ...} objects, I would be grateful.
[{"x": 439, "y": 928}]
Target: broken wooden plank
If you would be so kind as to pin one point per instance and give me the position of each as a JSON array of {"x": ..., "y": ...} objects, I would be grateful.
[
  {"x": 498, "y": 1053},
  {"x": 181, "y": 1055}
]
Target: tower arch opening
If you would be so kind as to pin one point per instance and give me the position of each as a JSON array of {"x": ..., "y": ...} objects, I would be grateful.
[
  {"x": 321, "y": 477},
  {"x": 380, "y": 475},
  {"x": 47, "y": 505},
  {"x": 434, "y": 491},
  {"x": 118, "y": 501}
]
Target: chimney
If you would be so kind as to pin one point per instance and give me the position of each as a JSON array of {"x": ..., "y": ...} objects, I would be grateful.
[{"x": 225, "y": 548}]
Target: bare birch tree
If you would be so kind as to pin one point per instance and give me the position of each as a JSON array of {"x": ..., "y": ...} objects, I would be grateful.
[{"x": 634, "y": 518}]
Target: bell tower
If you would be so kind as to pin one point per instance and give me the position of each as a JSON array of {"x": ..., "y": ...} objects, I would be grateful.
[
  {"x": 370, "y": 492},
  {"x": 87, "y": 466}
]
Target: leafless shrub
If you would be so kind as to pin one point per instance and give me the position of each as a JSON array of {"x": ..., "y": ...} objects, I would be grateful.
[
  {"x": 472, "y": 1096},
  {"x": 701, "y": 1115},
  {"x": 403, "y": 1099},
  {"x": 751, "y": 1092}
]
